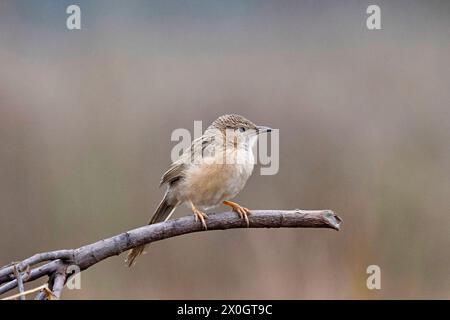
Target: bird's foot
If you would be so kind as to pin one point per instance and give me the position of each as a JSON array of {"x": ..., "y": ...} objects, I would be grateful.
[
  {"x": 199, "y": 215},
  {"x": 242, "y": 211}
]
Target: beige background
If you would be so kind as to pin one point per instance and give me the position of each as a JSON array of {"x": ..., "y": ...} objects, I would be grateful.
[{"x": 86, "y": 118}]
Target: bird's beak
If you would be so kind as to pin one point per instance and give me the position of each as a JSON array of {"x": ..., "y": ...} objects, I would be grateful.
[{"x": 263, "y": 129}]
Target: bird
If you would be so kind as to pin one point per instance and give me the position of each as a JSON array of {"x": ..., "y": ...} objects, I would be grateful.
[{"x": 213, "y": 170}]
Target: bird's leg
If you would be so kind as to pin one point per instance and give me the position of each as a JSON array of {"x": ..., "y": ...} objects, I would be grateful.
[
  {"x": 199, "y": 215},
  {"x": 242, "y": 211}
]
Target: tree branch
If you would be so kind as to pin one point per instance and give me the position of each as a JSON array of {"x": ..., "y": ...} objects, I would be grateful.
[
  {"x": 33, "y": 260},
  {"x": 18, "y": 276},
  {"x": 58, "y": 281},
  {"x": 89, "y": 255}
]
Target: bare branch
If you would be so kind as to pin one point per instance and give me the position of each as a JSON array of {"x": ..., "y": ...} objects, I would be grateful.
[
  {"x": 35, "y": 259},
  {"x": 58, "y": 283},
  {"x": 41, "y": 295},
  {"x": 41, "y": 288},
  {"x": 46, "y": 269},
  {"x": 88, "y": 255},
  {"x": 19, "y": 282},
  {"x": 45, "y": 293}
]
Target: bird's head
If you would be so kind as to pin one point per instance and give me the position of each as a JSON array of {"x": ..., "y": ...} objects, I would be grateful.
[
  {"x": 234, "y": 132},
  {"x": 242, "y": 127}
]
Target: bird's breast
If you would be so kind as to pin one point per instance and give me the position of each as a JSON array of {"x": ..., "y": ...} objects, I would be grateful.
[{"x": 208, "y": 183}]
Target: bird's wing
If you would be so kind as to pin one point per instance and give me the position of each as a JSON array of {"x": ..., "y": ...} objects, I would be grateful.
[
  {"x": 177, "y": 168},
  {"x": 174, "y": 173}
]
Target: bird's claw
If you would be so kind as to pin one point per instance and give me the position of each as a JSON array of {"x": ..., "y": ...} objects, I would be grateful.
[
  {"x": 242, "y": 211},
  {"x": 199, "y": 215}
]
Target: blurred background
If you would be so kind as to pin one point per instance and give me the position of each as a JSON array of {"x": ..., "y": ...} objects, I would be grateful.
[{"x": 86, "y": 118}]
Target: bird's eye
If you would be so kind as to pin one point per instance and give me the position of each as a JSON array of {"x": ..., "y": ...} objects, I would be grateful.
[{"x": 242, "y": 129}]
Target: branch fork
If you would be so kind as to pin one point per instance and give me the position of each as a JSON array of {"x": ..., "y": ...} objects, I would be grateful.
[{"x": 55, "y": 263}]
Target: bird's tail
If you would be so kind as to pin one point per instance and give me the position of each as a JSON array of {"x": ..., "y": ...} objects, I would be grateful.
[{"x": 162, "y": 213}]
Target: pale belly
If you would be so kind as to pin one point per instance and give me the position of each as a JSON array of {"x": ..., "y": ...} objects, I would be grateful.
[{"x": 207, "y": 185}]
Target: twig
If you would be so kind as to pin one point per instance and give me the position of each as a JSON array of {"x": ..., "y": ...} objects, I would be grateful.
[
  {"x": 44, "y": 294},
  {"x": 35, "y": 259},
  {"x": 58, "y": 282},
  {"x": 88, "y": 255},
  {"x": 19, "y": 282},
  {"x": 46, "y": 269},
  {"x": 22, "y": 294}
]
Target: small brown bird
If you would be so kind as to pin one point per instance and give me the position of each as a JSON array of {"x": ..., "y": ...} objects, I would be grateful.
[{"x": 213, "y": 171}]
